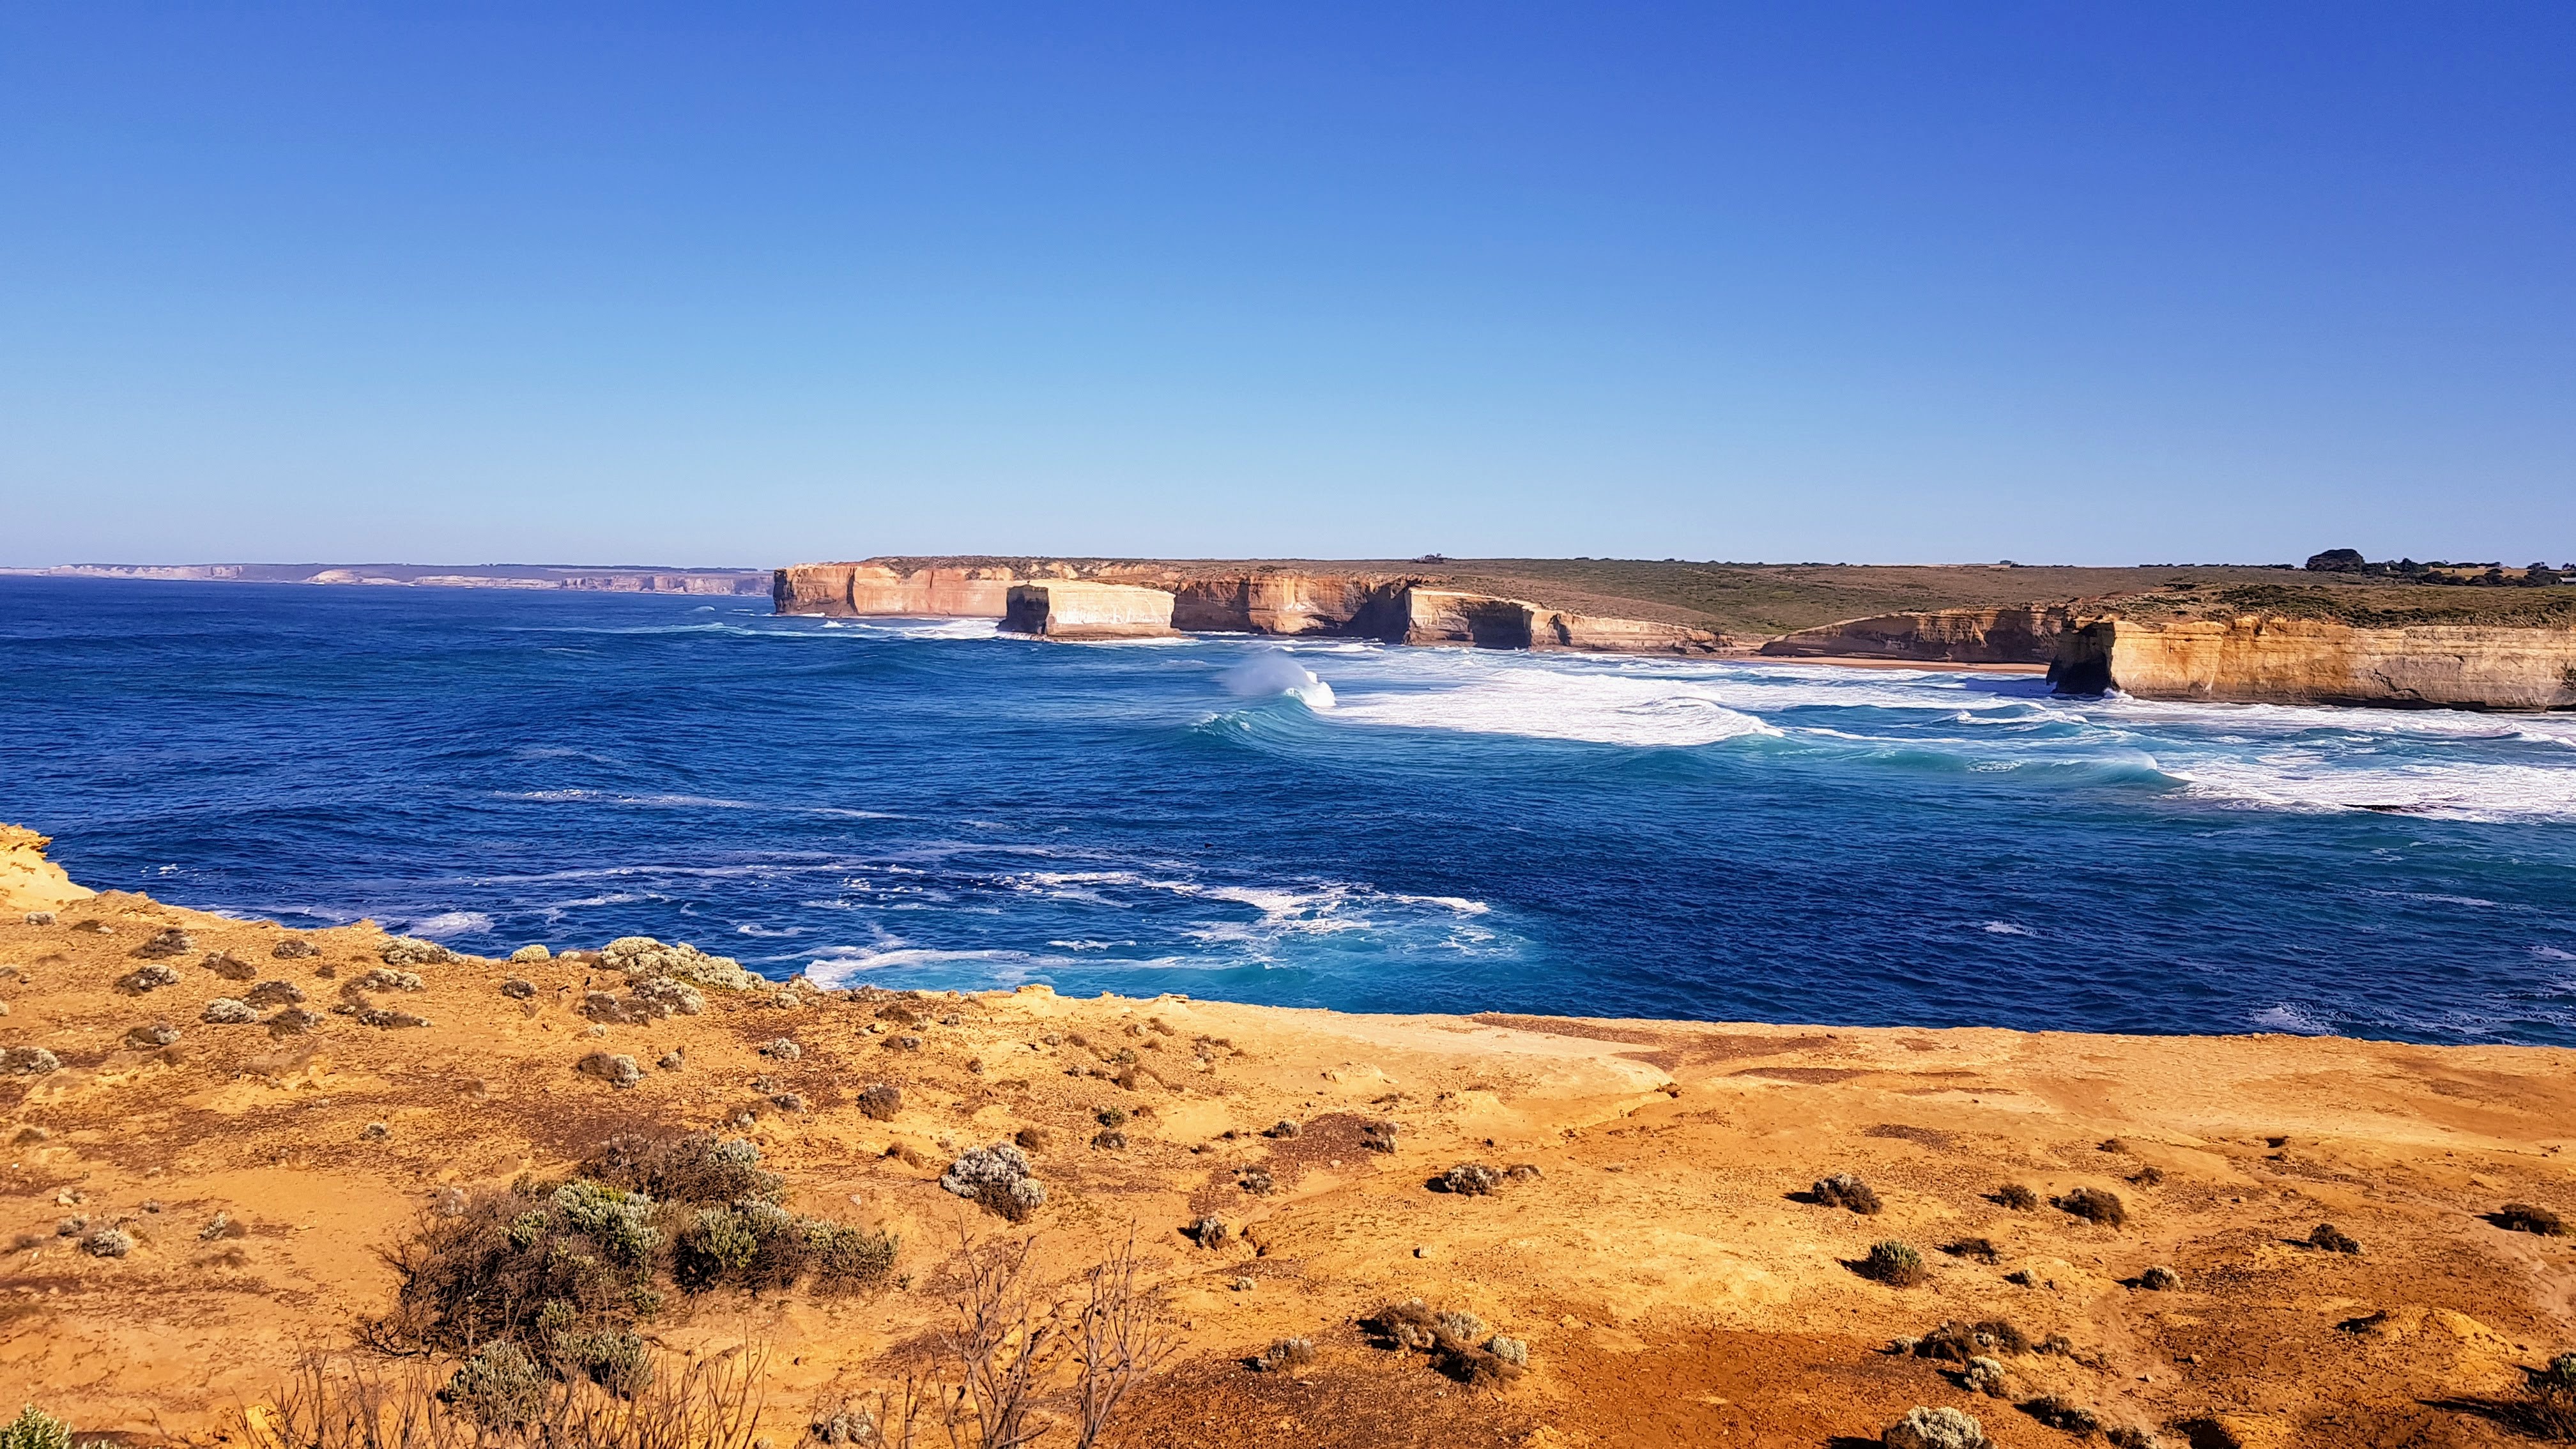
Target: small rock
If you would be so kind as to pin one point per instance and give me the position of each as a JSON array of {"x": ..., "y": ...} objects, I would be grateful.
[
  {"x": 225, "y": 1011},
  {"x": 220, "y": 1226},
  {"x": 518, "y": 988},
  {"x": 374, "y": 1132},
  {"x": 40, "y": 918}
]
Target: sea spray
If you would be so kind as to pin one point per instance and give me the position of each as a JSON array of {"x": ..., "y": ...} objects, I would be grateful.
[{"x": 1272, "y": 672}]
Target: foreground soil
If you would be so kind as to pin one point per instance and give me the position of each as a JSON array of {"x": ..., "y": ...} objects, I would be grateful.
[{"x": 1670, "y": 1279}]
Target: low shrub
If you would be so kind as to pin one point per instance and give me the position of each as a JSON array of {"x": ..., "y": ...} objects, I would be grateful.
[
  {"x": 1257, "y": 1181},
  {"x": 2160, "y": 1279},
  {"x": 694, "y": 1168},
  {"x": 224, "y": 1011},
  {"x": 1982, "y": 1250},
  {"x": 1287, "y": 1353},
  {"x": 1109, "y": 1139},
  {"x": 148, "y": 1038},
  {"x": 1959, "y": 1342},
  {"x": 1284, "y": 1127},
  {"x": 294, "y": 948},
  {"x": 1510, "y": 1350},
  {"x": 614, "y": 1068},
  {"x": 230, "y": 967},
  {"x": 275, "y": 993},
  {"x": 1471, "y": 1179},
  {"x": 151, "y": 977},
  {"x": 2063, "y": 1413},
  {"x": 1377, "y": 1136},
  {"x": 2131, "y": 1436},
  {"x": 1941, "y": 1428},
  {"x": 2333, "y": 1239},
  {"x": 2548, "y": 1407},
  {"x": 1843, "y": 1190},
  {"x": 2522, "y": 1217},
  {"x": 1210, "y": 1232},
  {"x": 499, "y": 1387},
  {"x": 519, "y": 988},
  {"x": 108, "y": 1242},
  {"x": 2095, "y": 1205},
  {"x": 998, "y": 1178},
  {"x": 1985, "y": 1376},
  {"x": 879, "y": 1102},
  {"x": 1111, "y": 1117},
  {"x": 1450, "y": 1339},
  {"x": 166, "y": 943},
  {"x": 413, "y": 951},
  {"x": 2017, "y": 1197},
  {"x": 1894, "y": 1264}
]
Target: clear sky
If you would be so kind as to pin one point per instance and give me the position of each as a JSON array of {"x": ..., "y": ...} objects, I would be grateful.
[{"x": 750, "y": 283}]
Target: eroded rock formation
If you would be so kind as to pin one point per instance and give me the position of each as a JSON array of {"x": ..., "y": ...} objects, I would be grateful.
[
  {"x": 2027, "y": 634},
  {"x": 1079, "y": 609},
  {"x": 2265, "y": 659}
]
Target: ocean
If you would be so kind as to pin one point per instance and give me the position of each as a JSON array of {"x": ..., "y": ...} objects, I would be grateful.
[{"x": 1327, "y": 823}]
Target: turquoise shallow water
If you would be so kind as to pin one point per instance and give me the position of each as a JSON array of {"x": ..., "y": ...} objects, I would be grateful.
[{"x": 1333, "y": 824}]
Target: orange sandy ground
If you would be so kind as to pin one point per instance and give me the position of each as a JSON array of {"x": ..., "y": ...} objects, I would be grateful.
[{"x": 1670, "y": 1287}]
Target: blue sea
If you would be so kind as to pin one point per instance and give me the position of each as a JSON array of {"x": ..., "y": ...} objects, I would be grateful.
[{"x": 925, "y": 803}]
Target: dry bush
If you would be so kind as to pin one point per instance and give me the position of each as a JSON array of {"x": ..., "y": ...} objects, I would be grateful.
[
  {"x": 1449, "y": 1338},
  {"x": 343, "y": 1403},
  {"x": 1117, "y": 1340},
  {"x": 1959, "y": 1342},
  {"x": 2063, "y": 1413},
  {"x": 1286, "y": 1353},
  {"x": 2548, "y": 1407},
  {"x": 695, "y": 1167},
  {"x": 494, "y": 1264},
  {"x": 999, "y": 1345},
  {"x": 2522, "y": 1217},
  {"x": 1982, "y": 1250},
  {"x": 2017, "y": 1197},
  {"x": 1843, "y": 1190},
  {"x": 2095, "y": 1205},
  {"x": 2333, "y": 1239}
]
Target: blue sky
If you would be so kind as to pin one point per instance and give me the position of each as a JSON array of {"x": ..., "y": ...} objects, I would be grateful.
[{"x": 746, "y": 284}]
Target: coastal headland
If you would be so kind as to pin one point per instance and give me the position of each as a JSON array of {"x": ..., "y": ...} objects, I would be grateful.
[
  {"x": 2198, "y": 633},
  {"x": 202, "y": 1191}
]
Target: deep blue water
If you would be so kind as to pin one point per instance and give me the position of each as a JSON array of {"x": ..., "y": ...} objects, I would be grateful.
[{"x": 922, "y": 803}]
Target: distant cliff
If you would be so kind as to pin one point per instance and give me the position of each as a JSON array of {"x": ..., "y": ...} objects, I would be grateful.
[
  {"x": 1365, "y": 604},
  {"x": 2276, "y": 660},
  {"x": 612, "y": 579}
]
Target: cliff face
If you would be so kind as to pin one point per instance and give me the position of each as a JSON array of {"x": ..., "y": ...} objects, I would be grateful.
[
  {"x": 2258, "y": 659},
  {"x": 1068, "y": 609},
  {"x": 1396, "y": 609},
  {"x": 2027, "y": 634}
]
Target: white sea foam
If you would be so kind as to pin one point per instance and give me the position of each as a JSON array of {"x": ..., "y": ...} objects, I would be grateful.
[
  {"x": 2007, "y": 928},
  {"x": 1597, "y": 706},
  {"x": 449, "y": 923},
  {"x": 2307, "y": 780},
  {"x": 2297, "y": 1020}
]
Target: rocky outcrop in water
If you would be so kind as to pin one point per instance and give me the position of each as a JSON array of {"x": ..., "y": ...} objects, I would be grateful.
[
  {"x": 2026, "y": 634},
  {"x": 2264, "y": 659},
  {"x": 1070, "y": 609}
]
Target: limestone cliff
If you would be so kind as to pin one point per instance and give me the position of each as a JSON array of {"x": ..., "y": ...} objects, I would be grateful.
[
  {"x": 1227, "y": 600},
  {"x": 1071, "y": 609},
  {"x": 2027, "y": 634},
  {"x": 2269, "y": 659},
  {"x": 29, "y": 881}
]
